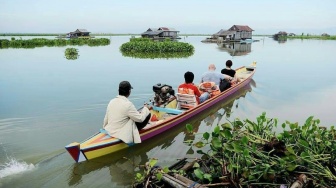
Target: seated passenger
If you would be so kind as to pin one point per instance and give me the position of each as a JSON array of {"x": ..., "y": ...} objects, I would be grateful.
[
  {"x": 212, "y": 76},
  {"x": 189, "y": 88},
  {"x": 122, "y": 120},
  {"x": 216, "y": 77},
  {"x": 230, "y": 72},
  {"x": 207, "y": 86}
]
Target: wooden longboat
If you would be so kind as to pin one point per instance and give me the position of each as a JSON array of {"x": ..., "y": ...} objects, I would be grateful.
[{"x": 101, "y": 143}]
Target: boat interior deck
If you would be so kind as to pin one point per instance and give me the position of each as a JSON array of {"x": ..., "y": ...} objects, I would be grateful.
[{"x": 163, "y": 113}]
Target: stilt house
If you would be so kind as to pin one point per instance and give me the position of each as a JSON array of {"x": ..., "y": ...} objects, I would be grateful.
[
  {"x": 79, "y": 33},
  {"x": 236, "y": 33},
  {"x": 162, "y": 32}
]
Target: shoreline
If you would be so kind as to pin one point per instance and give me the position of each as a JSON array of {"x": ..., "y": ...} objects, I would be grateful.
[{"x": 318, "y": 37}]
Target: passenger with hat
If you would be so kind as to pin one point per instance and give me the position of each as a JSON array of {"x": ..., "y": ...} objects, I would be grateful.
[{"x": 122, "y": 119}]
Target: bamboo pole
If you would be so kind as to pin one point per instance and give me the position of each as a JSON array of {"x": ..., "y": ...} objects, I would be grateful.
[
  {"x": 175, "y": 183},
  {"x": 189, "y": 182}
]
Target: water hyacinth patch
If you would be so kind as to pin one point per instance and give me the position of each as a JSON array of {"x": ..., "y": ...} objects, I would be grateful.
[
  {"x": 41, "y": 42},
  {"x": 71, "y": 53},
  {"x": 244, "y": 153},
  {"x": 148, "y": 48}
]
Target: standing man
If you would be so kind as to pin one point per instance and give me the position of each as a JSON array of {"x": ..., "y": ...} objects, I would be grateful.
[{"x": 122, "y": 119}]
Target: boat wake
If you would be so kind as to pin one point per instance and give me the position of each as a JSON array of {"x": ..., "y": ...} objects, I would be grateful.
[{"x": 14, "y": 167}]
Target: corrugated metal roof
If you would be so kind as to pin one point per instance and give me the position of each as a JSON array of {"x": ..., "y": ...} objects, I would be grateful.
[
  {"x": 240, "y": 28},
  {"x": 225, "y": 33},
  {"x": 156, "y": 31},
  {"x": 151, "y": 32},
  {"x": 152, "y": 29},
  {"x": 81, "y": 31},
  {"x": 219, "y": 32},
  {"x": 167, "y": 29},
  {"x": 282, "y": 32}
]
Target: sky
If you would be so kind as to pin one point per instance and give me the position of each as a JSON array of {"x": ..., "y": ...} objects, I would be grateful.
[{"x": 186, "y": 16}]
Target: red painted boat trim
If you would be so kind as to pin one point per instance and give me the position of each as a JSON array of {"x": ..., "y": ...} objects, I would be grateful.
[{"x": 74, "y": 152}]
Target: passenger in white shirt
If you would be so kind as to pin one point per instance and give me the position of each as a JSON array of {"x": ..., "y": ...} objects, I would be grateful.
[{"x": 122, "y": 119}]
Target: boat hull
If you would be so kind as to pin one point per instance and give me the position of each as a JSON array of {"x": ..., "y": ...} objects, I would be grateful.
[{"x": 101, "y": 143}]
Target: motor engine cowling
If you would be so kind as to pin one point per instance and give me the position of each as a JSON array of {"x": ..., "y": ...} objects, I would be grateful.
[{"x": 163, "y": 94}]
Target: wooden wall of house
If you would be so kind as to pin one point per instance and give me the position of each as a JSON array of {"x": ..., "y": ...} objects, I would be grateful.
[
  {"x": 169, "y": 34},
  {"x": 236, "y": 36},
  {"x": 214, "y": 36},
  {"x": 243, "y": 35},
  {"x": 246, "y": 34}
]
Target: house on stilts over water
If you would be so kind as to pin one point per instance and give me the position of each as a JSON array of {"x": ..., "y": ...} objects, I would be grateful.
[
  {"x": 161, "y": 33},
  {"x": 79, "y": 33},
  {"x": 236, "y": 33}
]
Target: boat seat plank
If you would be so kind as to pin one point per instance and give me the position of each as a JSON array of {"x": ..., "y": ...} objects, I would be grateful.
[
  {"x": 168, "y": 110},
  {"x": 185, "y": 101}
]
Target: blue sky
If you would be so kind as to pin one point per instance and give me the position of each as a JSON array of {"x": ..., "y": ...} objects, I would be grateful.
[{"x": 188, "y": 16}]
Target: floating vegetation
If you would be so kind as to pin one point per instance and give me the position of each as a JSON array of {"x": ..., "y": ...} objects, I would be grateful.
[
  {"x": 251, "y": 154},
  {"x": 167, "y": 55},
  {"x": 148, "y": 48},
  {"x": 41, "y": 42},
  {"x": 31, "y": 34},
  {"x": 318, "y": 37},
  {"x": 71, "y": 53}
]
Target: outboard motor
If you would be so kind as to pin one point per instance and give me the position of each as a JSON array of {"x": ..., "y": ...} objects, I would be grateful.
[{"x": 163, "y": 94}]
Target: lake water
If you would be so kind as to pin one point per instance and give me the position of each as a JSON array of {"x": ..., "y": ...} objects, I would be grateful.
[{"x": 47, "y": 102}]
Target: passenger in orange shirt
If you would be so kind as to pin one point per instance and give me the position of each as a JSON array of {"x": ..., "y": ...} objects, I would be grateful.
[{"x": 189, "y": 88}]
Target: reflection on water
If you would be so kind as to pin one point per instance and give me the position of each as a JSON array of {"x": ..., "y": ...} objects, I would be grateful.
[
  {"x": 215, "y": 115},
  {"x": 236, "y": 48},
  {"x": 280, "y": 40},
  {"x": 122, "y": 165}
]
